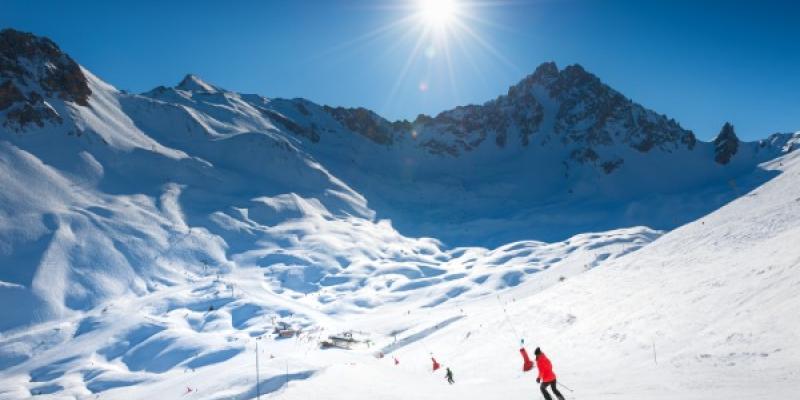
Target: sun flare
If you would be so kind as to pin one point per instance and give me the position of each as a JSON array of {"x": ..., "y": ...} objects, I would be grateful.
[{"x": 438, "y": 13}]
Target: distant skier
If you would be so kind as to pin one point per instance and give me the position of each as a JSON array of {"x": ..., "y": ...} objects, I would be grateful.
[
  {"x": 546, "y": 376},
  {"x": 449, "y": 376}
]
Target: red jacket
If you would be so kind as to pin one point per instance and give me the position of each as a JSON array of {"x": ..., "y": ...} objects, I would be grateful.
[{"x": 545, "y": 368}]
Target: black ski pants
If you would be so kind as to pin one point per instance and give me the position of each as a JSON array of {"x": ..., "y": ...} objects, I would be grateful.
[{"x": 553, "y": 387}]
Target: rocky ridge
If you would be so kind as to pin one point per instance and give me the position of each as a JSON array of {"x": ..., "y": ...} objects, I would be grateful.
[{"x": 33, "y": 71}]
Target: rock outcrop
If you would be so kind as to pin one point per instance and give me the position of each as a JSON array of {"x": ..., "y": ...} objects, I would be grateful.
[
  {"x": 34, "y": 71},
  {"x": 726, "y": 144}
]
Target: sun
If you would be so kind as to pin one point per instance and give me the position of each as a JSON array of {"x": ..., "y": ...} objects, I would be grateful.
[
  {"x": 438, "y": 13},
  {"x": 441, "y": 36}
]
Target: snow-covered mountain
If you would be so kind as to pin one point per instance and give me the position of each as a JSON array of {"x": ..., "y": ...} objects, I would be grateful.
[
  {"x": 561, "y": 153},
  {"x": 145, "y": 237},
  {"x": 103, "y": 186}
]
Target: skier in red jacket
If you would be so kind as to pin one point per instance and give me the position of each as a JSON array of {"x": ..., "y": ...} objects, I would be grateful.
[{"x": 546, "y": 376}]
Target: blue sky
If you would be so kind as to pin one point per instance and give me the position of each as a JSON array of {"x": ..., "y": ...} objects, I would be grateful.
[{"x": 700, "y": 62}]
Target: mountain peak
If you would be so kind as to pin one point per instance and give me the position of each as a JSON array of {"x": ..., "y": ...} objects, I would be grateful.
[
  {"x": 548, "y": 75},
  {"x": 545, "y": 70},
  {"x": 26, "y": 58},
  {"x": 544, "y": 74},
  {"x": 193, "y": 83},
  {"x": 35, "y": 71}
]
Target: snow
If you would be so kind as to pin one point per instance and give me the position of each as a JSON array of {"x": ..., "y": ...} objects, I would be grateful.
[
  {"x": 193, "y": 83},
  {"x": 151, "y": 342},
  {"x": 713, "y": 298},
  {"x": 151, "y": 242}
]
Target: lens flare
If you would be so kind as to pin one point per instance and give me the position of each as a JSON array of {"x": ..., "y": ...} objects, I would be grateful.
[
  {"x": 438, "y": 13},
  {"x": 440, "y": 37}
]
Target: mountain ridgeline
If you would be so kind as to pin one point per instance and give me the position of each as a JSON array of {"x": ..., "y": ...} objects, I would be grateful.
[{"x": 585, "y": 113}]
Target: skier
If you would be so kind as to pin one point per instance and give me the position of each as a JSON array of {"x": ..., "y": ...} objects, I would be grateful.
[
  {"x": 546, "y": 376},
  {"x": 449, "y": 376}
]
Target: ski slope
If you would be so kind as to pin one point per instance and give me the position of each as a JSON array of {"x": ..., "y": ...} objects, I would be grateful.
[
  {"x": 149, "y": 242},
  {"x": 702, "y": 312},
  {"x": 210, "y": 321}
]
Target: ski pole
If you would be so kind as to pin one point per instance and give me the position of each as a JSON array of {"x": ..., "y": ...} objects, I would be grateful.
[{"x": 564, "y": 386}]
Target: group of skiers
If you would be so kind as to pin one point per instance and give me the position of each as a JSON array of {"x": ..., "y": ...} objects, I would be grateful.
[{"x": 545, "y": 379}]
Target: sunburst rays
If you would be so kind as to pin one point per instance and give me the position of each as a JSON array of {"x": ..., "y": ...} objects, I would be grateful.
[{"x": 440, "y": 37}]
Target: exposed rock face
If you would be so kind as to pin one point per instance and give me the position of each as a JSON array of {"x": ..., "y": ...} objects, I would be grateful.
[
  {"x": 297, "y": 129},
  {"x": 368, "y": 124},
  {"x": 726, "y": 144},
  {"x": 592, "y": 113},
  {"x": 570, "y": 106},
  {"x": 32, "y": 70},
  {"x": 9, "y": 94},
  {"x": 508, "y": 120}
]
